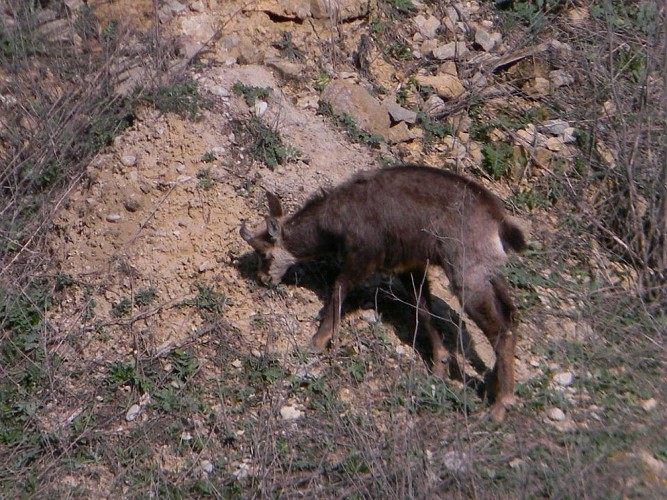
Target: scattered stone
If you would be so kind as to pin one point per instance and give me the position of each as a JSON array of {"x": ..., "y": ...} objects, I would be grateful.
[
  {"x": 286, "y": 69},
  {"x": 456, "y": 462},
  {"x": 128, "y": 160},
  {"x": 564, "y": 379},
  {"x": 554, "y": 144},
  {"x": 73, "y": 5},
  {"x": 206, "y": 465},
  {"x": 181, "y": 169},
  {"x": 649, "y": 404},
  {"x": 219, "y": 90},
  {"x": 341, "y": 10},
  {"x": 451, "y": 50},
  {"x": 133, "y": 413},
  {"x": 555, "y": 127},
  {"x": 290, "y": 413},
  {"x": 555, "y": 414},
  {"x": 175, "y": 7},
  {"x": 488, "y": 41},
  {"x": 366, "y": 111},
  {"x": 206, "y": 266},
  {"x": 113, "y": 217},
  {"x": 399, "y": 113},
  {"x": 260, "y": 108},
  {"x": 242, "y": 469},
  {"x": 569, "y": 135},
  {"x": 398, "y": 133},
  {"x": 427, "y": 26},
  {"x": 132, "y": 205},
  {"x": 434, "y": 107},
  {"x": 237, "y": 363},
  {"x": 446, "y": 86},
  {"x": 197, "y": 6},
  {"x": 560, "y": 78}
]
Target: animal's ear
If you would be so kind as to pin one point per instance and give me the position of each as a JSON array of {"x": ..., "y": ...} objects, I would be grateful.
[
  {"x": 273, "y": 228},
  {"x": 245, "y": 234},
  {"x": 275, "y": 210}
]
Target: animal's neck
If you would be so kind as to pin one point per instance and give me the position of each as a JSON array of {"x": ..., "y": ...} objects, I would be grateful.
[{"x": 302, "y": 236}]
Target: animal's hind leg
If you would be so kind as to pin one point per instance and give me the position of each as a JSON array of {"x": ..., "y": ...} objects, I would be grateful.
[
  {"x": 487, "y": 302},
  {"x": 416, "y": 284}
]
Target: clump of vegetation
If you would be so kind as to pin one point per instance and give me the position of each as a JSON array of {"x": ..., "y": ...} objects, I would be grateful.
[
  {"x": 287, "y": 48},
  {"x": 250, "y": 93},
  {"x": 265, "y": 143},
  {"x": 205, "y": 178},
  {"x": 209, "y": 303},
  {"x": 181, "y": 97},
  {"x": 142, "y": 298}
]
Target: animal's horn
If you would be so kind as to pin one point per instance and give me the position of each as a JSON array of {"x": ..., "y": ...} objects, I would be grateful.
[{"x": 245, "y": 234}]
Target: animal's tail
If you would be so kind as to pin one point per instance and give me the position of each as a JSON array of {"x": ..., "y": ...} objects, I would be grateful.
[{"x": 512, "y": 236}]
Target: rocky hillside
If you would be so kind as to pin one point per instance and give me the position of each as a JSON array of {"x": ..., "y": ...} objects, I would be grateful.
[{"x": 141, "y": 356}]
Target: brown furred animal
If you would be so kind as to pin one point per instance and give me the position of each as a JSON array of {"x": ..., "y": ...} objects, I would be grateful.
[{"x": 404, "y": 219}]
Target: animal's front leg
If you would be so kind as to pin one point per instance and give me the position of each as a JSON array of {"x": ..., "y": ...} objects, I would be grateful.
[{"x": 331, "y": 322}]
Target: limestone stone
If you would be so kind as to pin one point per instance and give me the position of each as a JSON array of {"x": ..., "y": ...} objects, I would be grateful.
[{"x": 366, "y": 111}]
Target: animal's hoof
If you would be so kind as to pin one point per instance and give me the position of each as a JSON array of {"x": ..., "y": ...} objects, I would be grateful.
[
  {"x": 497, "y": 413},
  {"x": 440, "y": 368},
  {"x": 499, "y": 408},
  {"x": 319, "y": 343}
]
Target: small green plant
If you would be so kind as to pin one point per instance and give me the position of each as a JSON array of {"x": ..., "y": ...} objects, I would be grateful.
[
  {"x": 497, "y": 159},
  {"x": 126, "y": 374},
  {"x": 398, "y": 49},
  {"x": 181, "y": 97},
  {"x": 433, "y": 129},
  {"x": 205, "y": 179},
  {"x": 287, "y": 48},
  {"x": 142, "y": 298},
  {"x": 210, "y": 304},
  {"x": 266, "y": 145},
  {"x": 208, "y": 157},
  {"x": 250, "y": 93},
  {"x": 323, "y": 80},
  {"x": 346, "y": 122},
  {"x": 529, "y": 198}
]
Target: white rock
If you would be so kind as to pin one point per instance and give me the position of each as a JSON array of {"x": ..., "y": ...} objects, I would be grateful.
[
  {"x": 237, "y": 363},
  {"x": 260, "y": 108},
  {"x": 206, "y": 466},
  {"x": 427, "y": 26},
  {"x": 113, "y": 217},
  {"x": 488, "y": 41},
  {"x": 219, "y": 90},
  {"x": 560, "y": 78},
  {"x": 133, "y": 412},
  {"x": 128, "y": 160},
  {"x": 555, "y": 127},
  {"x": 564, "y": 379},
  {"x": 197, "y": 6},
  {"x": 450, "y": 50},
  {"x": 206, "y": 266},
  {"x": 290, "y": 413},
  {"x": 649, "y": 404},
  {"x": 555, "y": 414},
  {"x": 456, "y": 461},
  {"x": 569, "y": 135}
]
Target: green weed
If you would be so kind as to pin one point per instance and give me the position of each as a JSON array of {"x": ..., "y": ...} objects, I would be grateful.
[
  {"x": 250, "y": 93},
  {"x": 209, "y": 303}
]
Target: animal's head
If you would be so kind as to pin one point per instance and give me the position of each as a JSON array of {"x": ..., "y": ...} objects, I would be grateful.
[{"x": 274, "y": 259}]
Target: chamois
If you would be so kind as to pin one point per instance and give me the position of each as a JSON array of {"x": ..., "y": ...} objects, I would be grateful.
[{"x": 402, "y": 220}]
